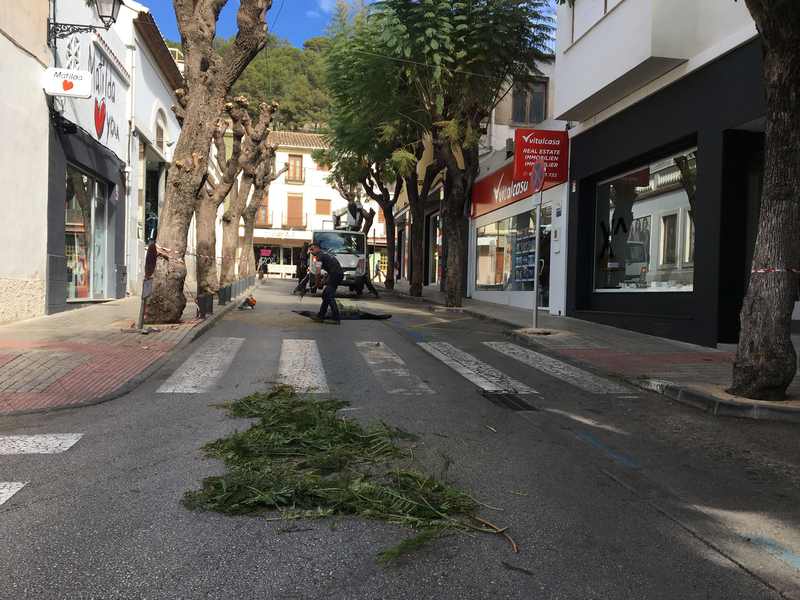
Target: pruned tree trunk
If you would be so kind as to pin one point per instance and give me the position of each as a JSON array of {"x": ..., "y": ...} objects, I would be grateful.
[
  {"x": 247, "y": 260},
  {"x": 205, "y": 222},
  {"x": 459, "y": 180},
  {"x": 254, "y": 153},
  {"x": 386, "y": 201},
  {"x": 766, "y": 361},
  {"x": 417, "y": 195},
  {"x": 208, "y": 78}
]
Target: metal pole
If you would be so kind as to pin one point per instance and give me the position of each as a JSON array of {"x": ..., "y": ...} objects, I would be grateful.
[{"x": 536, "y": 266}]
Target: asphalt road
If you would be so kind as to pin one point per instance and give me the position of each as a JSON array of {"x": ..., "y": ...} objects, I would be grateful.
[{"x": 610, "y": 494}]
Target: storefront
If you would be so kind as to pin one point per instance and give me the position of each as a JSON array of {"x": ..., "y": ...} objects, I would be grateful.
[
  {"x": 502, "y": 264},
  {"x": 664, "y": 203}
]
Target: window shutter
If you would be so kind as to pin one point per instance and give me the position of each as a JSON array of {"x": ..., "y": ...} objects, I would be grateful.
[
  {"x": 294, "y": 211},
  {"x": 323, "y": 206}
]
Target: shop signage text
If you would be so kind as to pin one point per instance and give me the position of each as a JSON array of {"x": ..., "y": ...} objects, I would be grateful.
[
  {"x": 498, "y": 189},
  {"x": 552, "y": 147},
  {"x": 68, "y": 82}
]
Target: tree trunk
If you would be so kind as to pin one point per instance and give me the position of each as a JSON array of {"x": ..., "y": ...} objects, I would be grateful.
[
  {"x": 766, "y": 361},
  {"x": 206, "y": 219},
  {"x": 247, "y": 259},
  {"x": 416, "y": 247},
  {"x": 391, "y": 247},
  {"x": 454, "y": 238}
]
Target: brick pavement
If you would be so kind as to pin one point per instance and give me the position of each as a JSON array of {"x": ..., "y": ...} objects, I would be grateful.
[{"x": 79, "y": 356}]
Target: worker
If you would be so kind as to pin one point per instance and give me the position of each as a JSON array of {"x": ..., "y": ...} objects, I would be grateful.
[{"x": 335, "y": 274}]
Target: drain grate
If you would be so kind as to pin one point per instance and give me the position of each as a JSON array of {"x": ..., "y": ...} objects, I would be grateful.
[{"x": 508, "y": 400}]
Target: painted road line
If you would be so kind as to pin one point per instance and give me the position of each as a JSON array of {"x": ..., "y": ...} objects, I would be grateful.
[
  {"x": 201, "y": 371},
  {"x": 301, "y": 367},
  {"x": 560, "y": 370},
  {"x": 478, "y": 372},
  {"x": 49, "y": 443},
  {"x": 9, "y": 488},
  {"x": 390, "y": 370}
]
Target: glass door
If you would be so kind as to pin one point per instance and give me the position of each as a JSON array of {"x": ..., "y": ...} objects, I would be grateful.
[{"x": 99, "y": 262}]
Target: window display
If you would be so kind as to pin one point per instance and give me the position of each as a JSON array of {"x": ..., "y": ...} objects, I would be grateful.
[
  {"x": 505, "y": 258},
  {"x": 645, "y": 228},
  {"x": 86, "y": 226}
]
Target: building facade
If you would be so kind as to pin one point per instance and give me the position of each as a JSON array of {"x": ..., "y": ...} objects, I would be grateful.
[
  {"x": 74, "y": 167},
  {"x": 299, "y": 202},
  {"x": 24, "y": 160},
  {"x": 502, "y": 235},
  {"x": 668, "y": 109}
]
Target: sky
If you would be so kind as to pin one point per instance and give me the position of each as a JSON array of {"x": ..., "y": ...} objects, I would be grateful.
[{"x": 294, "y": 20}]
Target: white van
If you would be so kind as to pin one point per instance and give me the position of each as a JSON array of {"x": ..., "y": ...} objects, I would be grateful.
[{"x": 350, "y": 249}]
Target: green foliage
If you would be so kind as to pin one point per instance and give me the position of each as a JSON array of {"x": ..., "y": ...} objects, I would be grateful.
[
  {"x": 460, "y": 58},
  {"x": 303, "y": 460},
  {"x": 293, "y": 77}
]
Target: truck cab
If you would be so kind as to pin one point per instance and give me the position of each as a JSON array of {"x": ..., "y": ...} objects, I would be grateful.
[{"x": 350, "y": 249}]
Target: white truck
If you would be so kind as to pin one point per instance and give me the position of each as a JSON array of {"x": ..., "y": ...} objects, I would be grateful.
[{"x": 350, "y": 249}]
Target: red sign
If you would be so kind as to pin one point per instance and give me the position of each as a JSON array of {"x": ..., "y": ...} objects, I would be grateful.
[
  {"x": 499, "y": 189},
  {"x": 552, "y": 147},
  {"x": 266, "y": 252}
]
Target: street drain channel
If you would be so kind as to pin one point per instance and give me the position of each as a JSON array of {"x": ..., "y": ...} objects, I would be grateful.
[{"x": 508, "y": 400}]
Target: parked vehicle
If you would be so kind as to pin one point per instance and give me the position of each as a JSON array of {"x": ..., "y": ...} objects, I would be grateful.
[{"x": 350, "y": 249}]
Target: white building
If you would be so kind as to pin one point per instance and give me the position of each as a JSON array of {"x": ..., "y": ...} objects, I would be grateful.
[
  {"x": 73, "y": 165},
  {"x": 667, "y": 101},
  {"x": 299, "y": 202},
  {"x": 23, "y": 161}
]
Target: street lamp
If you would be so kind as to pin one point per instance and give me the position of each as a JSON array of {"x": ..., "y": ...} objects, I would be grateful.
[{"x": 107, "y": 12}]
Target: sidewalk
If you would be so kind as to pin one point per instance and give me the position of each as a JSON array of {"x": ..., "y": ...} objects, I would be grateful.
[
  {"x": 84, "y": 356},
  {"x": 690, "y": 374}
]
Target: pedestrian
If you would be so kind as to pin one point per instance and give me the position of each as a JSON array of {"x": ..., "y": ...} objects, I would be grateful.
[
  {"x": 333, "y": 279},
  {"x": 378, "y": 272}
]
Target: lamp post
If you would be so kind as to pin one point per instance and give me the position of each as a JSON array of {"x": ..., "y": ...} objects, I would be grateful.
[{"x": 107, "y": 12}]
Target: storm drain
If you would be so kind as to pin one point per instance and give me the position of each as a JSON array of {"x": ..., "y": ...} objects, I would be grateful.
[{"x": 508, "y": 401}]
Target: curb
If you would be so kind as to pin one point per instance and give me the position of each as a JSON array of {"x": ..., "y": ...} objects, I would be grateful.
[
  {"x": 147, "y": 372},
  {"x": 703, "y": 401},
  {"x": 683, "y": 394}
]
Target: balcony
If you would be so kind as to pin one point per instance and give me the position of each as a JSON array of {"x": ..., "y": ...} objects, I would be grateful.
[
  {"x": 297, "y": 177},
  {"x": 633, "y": 43},
  {"x": 296, "y": 222}
]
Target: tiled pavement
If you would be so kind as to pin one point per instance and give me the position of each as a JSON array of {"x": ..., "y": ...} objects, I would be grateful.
[
  {"x": 627, "y": 354},
  {"x": 79, "y": 356}
]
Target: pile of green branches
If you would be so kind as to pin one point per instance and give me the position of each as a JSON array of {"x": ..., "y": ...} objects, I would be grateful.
[{"x": 303, "y": 460}]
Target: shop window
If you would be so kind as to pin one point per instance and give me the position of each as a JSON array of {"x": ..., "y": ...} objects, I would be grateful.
[
  {"x": 645, "y": 231},
  {"x": 505, "y": 254},
  {"x": 86, "y": 236}
]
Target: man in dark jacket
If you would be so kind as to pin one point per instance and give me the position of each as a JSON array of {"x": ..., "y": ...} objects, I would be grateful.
[{"x": 332, "y": 281}]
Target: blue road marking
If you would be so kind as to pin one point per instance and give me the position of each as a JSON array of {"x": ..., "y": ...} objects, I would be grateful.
[
  {"x": 622, "y": 459},
  {"x": 777, "y": 550}
]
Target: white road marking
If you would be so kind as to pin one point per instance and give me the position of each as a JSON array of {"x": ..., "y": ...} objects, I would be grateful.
[
  {"x": 301, "y": 367},
  {"x": 390, "y": 370},
  {"x": 49, "y": 443},
  {"x": 478, "y": 372},
  {"x": 201, "y": 371},
  {"x": 9, "y": 488},
  {"x": 559, "y": 369}
]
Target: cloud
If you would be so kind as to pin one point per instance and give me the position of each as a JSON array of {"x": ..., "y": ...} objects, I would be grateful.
[
  {"x": 312, "y": 14},
  {"x": 327, "y": 5}
]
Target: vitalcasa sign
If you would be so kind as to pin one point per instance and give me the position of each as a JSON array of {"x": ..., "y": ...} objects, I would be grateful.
[{"x": 498, "y": 189}]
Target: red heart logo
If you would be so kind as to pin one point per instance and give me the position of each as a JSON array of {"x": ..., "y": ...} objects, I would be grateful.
[
  {"x": 67, "y": 85},
  {"x": 99, "y": 117}
]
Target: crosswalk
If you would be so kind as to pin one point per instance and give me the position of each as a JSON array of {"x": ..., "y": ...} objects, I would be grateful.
[
  {"x": 49, "y": 443},
  {"x": 301, "y": 366}
]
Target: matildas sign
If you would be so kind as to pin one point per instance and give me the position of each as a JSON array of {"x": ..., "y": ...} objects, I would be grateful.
[{"x": 68, "y": 82}]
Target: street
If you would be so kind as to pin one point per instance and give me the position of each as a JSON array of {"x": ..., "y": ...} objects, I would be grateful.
[{"x": 610, "y": 492}]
